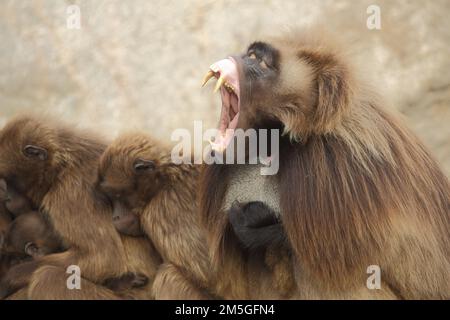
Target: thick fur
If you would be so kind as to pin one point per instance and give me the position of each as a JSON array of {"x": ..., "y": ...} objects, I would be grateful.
[
  {"x": 165, "y": 199},
  {"x": 30, "y": 228},
  {"x": 62, "y": 186},
  {"x": 171, "y": 283},
  {"x": 356, "y": 186},
  {"x": 39, "y": 288}
]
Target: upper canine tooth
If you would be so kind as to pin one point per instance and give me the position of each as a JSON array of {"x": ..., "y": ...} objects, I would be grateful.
[
  {"x": 219, "y": 83},
  {"x": 208, "y": 76}
]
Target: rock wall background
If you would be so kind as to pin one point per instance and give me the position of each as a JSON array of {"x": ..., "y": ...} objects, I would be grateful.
[{"x": 138, "y": 64}]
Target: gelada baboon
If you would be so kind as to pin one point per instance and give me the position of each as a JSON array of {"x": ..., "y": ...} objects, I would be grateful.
[
  {"x": 356, "y": 187},
  {"x": 150, "y": 194},
  {"x": 55, "y": 167},
  {"x": 30, "y": 236},
  {"x": 12, "y": 204}
]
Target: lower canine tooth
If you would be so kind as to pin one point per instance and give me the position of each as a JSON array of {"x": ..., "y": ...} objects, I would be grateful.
[{"x": 219, "y": 84}]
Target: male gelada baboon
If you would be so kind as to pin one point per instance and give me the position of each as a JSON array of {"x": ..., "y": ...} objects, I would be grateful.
[
  {"x": 154, "y": 196},
  {"x": 356, "y": 187},
  {"x": 55, "y": 167}
]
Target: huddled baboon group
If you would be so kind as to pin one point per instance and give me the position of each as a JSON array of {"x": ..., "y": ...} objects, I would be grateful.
[{"x": 355, "y": 188}]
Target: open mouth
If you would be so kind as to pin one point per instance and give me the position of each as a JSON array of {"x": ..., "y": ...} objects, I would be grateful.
[{"x": 225, "y": 71}]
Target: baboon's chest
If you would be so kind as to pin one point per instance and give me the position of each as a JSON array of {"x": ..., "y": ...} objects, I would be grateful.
[{"x": 247, "y": 184}]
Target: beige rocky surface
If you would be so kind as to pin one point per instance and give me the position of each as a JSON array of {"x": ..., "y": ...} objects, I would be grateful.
[{"x": 138, "y": 64}]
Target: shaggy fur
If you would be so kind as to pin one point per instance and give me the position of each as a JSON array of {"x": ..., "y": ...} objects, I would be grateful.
[
  {"x": 356, "y": 186},
  {"x": 61, "y": 184},
  {"x": 165, "y": 199}
]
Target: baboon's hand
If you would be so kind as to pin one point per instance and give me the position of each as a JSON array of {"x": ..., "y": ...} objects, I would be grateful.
[
  {"x": 255, "y": 225},
  {"x": 127, "y": 281}
]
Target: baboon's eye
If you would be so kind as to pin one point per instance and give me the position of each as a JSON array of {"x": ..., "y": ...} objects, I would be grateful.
[
  {"x": 141, "y": 165},
  {"x": 252, "y": 55},
  {"x": 35, "y": 152}
]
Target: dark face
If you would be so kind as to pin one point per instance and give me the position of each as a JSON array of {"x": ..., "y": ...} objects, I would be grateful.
[
  {"x": 258, "y": 71},
  {"x": 128, "y": 186},
  {"x": 286, "y": 85}
]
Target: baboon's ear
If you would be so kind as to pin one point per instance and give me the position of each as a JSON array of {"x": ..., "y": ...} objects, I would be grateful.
[
  {"x": 31, "y": 249},
  {"x": 35, "y": 152},
  {"x": 330, "y": 89},
  {"x": 141, "y": 165}
]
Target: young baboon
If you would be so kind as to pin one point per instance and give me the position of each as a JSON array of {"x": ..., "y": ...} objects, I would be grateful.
[
  {"x": 356, "y": 187},
  {"x": 55, "y": 167},
  {"x": 138, "y": 176},
  {"x": 12, "y": 204},
  {"x": 30, "y": 236}
]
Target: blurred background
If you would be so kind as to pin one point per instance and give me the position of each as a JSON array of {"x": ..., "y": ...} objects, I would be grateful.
[{"x": 139, "y": 64}]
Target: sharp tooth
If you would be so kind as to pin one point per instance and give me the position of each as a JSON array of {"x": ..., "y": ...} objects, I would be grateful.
[
  {"x": 219, "y": 83},
  {"x": 208, "y": 76}
]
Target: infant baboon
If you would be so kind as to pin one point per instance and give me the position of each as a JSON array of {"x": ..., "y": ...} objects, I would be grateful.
[{"x": 30, "y": 236}]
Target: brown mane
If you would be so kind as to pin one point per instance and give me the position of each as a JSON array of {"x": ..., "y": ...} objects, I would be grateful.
[{"x": 356, "y": 186}]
